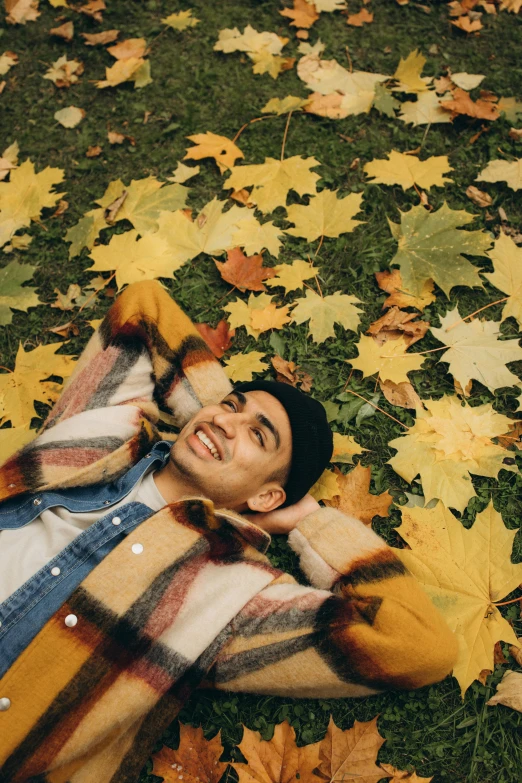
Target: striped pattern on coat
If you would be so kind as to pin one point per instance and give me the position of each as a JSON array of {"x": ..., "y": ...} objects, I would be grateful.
[{"x": 203, "y": 606}]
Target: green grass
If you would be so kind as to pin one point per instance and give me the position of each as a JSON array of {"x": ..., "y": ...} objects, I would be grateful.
[{"x": 196, "y": 89}]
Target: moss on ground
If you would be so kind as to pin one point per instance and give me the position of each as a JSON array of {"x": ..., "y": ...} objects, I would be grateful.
[{"x": 196, "y": 89}]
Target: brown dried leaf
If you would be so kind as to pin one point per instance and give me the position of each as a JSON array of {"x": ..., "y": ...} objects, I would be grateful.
[
  {"x": 242, "y": 197},
  {"x": 402, "y": 395},
  {"x": 219, "y": 339},
  {"x": 289, "y": 372},
  {"x": 70, "y": 329},
  {"x": 118, "y": 138},
  {"x": 93, "y": 9},
  {"x": 66, "y": 301},
  {"x": 21, "y": 11},
  {"x": 484, "y": 674},
  {"x": 244, "y": 272},
  {"x": 363, "y": 17},
  {"x": 516, "y": 652},
  {"x": 498, "y": 655},
  {"x": 513, "y": 438},
  {"x": 132, "y": 47},
  {"x": 465, "y": 24},
  {"x": 483, "y": 108},
  {"x": 516, "y": 134},
  {"x": 398, "y": 775},
  {"x": 196, "y": 759},
  {"x": 303, "y": 14},
  {"x": 65, "y": 31},
  {"x": 397, "y": 323},
  {"x": 303, "y": 35},
  {"x": 350, "y": 756},
  {"x": 277, "y": 761},
  {"x": 479, "y": 197},
  {"x": 96, "y": 39},
  {"x": 355, "y": 497},
  {"x": 391, "y": 282},
  {"x": 93, "y": 151},
  {"x": 63, "y": 205},
  {"x": 112, "y": 210}
]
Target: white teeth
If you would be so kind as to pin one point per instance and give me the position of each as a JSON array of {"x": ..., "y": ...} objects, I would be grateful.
[{"x": 208, "y": 443}]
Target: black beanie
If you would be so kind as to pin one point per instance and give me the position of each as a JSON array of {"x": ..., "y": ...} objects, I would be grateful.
[{"x": 312, "y": 439}]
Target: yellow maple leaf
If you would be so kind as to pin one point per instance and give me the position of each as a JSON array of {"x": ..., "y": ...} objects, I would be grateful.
[
  {"x": 134, "y": 259},
  {"x": 254, "y": 236},
  {"x": 326, "y": 486},
  {"x": 426, "y": 110},
  {"x": 475, "y": 352},
  {"x": 122, "y": 71},
  {"x": 145, "y": 199},
  {"x": 7, "y": 60},
  {"x": 284, "y": 105},
  {"x": 448, "y": 442},
  {"x": 408, "y": 73},
  {"x": 183, "y": 173},
  {"x": 12, "y": 439},
  {"x": 408, "y": 171},
  {"x": 325, "y": 215},
  {"x": 509, "y": 171},
  {"x": 23, "y": 198},
  {"x": 324, "y": 312},
  {"x": 240, "y": 312},
  {"x": 292, "y": 276},
  {"x": 209, "y": 145},
  {"x": 69, "y": 117},
  {"x": 273, "y": 179},
  {"x": 181, "y": 20},
  {"x": 242, "y": 366},
  {"x": 21, "y": 11},
  {"x": 464, "y": 572},
  {"x": 389, "y": 360},
  {"x": 263, "y": 49},
  {"x": 211, "y": 232},
  {"x": 270, "y": 317},
  {"x": 344, "y": 448},
  {"x": 507, "y": 274},
  {"x": 27, "y": 382}
]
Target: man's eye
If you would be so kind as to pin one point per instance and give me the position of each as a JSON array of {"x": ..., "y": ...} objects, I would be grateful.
[
  {"x": 259, "y": 436},
  {"x": 229, "y": 402}
]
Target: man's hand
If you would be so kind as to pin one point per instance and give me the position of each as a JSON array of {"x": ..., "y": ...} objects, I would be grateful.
[{"x": 283, "y": 520}]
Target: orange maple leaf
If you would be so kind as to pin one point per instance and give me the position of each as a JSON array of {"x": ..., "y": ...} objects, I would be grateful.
[
  {"x": 196, "y": 759},
  {"x": 355, "y": 498},
  {"x": 219, "y": 339},
  {"x": 303, "y": 14},
  {"x": 244, "y": 272}
]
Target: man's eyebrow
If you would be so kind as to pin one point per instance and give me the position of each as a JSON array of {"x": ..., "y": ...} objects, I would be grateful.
[{"x": 262, "y": 419}]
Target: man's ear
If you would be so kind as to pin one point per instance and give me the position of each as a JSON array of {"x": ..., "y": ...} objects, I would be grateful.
[{"x": 269, "y": 497}]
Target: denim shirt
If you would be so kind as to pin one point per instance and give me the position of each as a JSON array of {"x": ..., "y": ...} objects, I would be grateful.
[{"x": 27, "y": 610}]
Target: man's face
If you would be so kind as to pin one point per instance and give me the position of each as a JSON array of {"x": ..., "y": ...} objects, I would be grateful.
[{"x": 229, "y": 450}]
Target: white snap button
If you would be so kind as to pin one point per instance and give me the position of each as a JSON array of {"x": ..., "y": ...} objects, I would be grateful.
[
  {"x": 0, "y": 623},
  {"x": 37, "y": 501},
  {"x": 55, "y": 571},
  {"x": 106, "y": 502},
  {"x": 5, "y": 703},
  {"x": 12, "y": 486},
  {"x": 116, "y": 521},
  {"x": 71, "y": 620},
  {"x": 137, "y": 549}
]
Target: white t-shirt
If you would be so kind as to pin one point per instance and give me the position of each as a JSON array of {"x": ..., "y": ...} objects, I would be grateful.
[{"x": 27, "y": 549}]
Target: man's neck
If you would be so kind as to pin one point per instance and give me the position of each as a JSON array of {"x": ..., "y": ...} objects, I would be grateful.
[{"x": 172, "y": 485}]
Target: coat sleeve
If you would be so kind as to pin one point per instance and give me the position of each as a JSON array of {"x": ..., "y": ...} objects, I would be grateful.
[
  {"x": 145, "y": 354},
  {"x": 365, "y": 626}
]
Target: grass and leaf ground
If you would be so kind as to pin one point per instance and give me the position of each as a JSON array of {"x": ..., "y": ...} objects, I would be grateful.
[{"x": 196, "y": 89}]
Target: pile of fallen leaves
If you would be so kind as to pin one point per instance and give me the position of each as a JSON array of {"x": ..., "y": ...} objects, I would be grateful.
[{"x": 468, "y": 573}]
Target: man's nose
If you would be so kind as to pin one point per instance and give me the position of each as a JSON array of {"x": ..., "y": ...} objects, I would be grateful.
[{"x": 227, "y": 421}]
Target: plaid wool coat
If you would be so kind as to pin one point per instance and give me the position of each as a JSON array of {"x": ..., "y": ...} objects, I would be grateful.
[{"x": 203, "y": 606}]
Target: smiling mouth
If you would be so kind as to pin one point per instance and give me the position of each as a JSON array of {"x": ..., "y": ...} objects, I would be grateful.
[{"x": 205, "y": 440}]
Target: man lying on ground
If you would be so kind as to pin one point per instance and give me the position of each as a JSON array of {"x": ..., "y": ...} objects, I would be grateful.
[{"x": 129, "y": 575}]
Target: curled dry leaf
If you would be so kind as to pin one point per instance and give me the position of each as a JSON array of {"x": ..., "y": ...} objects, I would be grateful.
[
  {"x": 64, "y": 72},
  {"x": 65, "y": 31},
  {"x": 118, "y": 138},
  {"x": 402, "y": 395},
  {"x": 479, "y": 197},
  {"x": 62, "y": 207},
  {"x": 396, "y": 323},
  {"x": 100, "y": 39},
  {"x": 289, "y": 372},
  {"x": 354, "y": 496},
  {"x": 21, "y": 11},
  {"x": 363, "y": 17},
  {"x": 219, "y": 339},
  {"x": 132, "y": 47},
  {"x": 509, "y": 691},
  {"x": 516, "y": 652},
  {"x": 93, "y": 9}
]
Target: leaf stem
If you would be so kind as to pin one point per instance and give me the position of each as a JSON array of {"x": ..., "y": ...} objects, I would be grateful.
[
  {"x": 285, "y": 135},
  {"x": 5, "y": 368},
  {"x": 505, "y": 603},
  {"x": 251, "y": 122},
  {"x": 377, "y": 408},
  {"x": 497, "y": 301}
]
